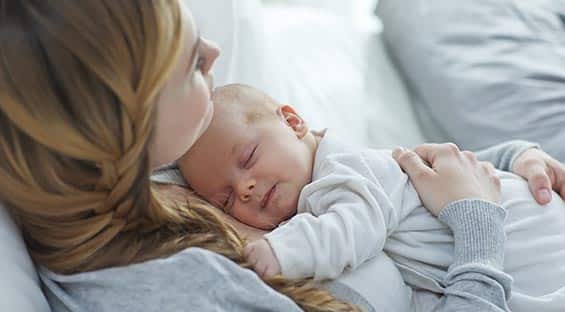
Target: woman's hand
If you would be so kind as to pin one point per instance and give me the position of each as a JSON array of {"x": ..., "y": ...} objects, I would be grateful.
[
  {"x": 442, "y": 174},
  {"x": 542, "y": 172}
]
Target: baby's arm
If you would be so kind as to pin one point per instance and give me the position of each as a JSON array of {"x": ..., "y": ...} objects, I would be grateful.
[{"x": 353, "y": 229}]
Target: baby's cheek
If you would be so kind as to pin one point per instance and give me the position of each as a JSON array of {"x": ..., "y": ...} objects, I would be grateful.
[
  {"x": 245, "y": 216},
  {"x": 265, "y": 221}
]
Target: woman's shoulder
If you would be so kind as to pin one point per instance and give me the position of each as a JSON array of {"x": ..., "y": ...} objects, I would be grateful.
[
  {"x": 190, "y": 258},
  {"x": 195, "y": 276}
]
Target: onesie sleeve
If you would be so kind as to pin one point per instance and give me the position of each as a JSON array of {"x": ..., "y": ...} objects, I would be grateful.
[{"x": 352, "y": 228}]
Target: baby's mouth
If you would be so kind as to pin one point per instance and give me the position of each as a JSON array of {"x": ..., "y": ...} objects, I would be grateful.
[{"x": 267, "y": 197}]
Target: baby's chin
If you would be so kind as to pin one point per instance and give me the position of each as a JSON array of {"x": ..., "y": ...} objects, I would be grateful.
[
  {"x": 276, "y": 221},
  {"x": 290, "y": 212}
]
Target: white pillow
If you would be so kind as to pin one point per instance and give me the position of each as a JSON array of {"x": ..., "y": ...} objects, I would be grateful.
[
  {"x": 215, "y": 20},
  {"x": 333, "y": 72},
  {"x": 19, "y": 285},
  {"x": 235, "y": 26}
]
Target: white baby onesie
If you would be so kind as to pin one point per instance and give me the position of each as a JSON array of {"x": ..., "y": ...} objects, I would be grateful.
[{"x": 360, "y": 202}]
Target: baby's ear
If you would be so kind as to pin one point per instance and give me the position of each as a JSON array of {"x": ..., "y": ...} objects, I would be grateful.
[{"x": 293, "y": 120}]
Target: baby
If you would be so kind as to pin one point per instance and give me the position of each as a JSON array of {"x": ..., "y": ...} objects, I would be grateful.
[{"x": 333, "y": 207}]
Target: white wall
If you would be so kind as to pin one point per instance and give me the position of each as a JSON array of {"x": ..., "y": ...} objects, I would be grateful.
[{"x": 359, "y": 11}]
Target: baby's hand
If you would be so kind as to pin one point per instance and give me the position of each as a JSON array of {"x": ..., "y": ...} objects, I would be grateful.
[{"x": 261, "y": 256}]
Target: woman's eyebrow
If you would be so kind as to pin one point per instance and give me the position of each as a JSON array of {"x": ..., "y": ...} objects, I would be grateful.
[{"x": 193, "y": 53}]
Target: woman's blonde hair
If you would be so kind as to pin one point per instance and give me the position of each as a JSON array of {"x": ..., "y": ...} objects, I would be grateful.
[{"x": 78, "y": 86}]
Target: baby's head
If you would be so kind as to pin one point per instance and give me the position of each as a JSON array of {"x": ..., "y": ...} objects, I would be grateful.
[{"x": 254, "y": 158}]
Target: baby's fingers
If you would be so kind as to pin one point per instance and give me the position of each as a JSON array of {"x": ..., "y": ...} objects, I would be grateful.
[
  {"x": 273, "y": 268},
  {"x": 261, "y": 268},
  {"x": 247, "y": 250},
  {"x": 250, "y": 254}
]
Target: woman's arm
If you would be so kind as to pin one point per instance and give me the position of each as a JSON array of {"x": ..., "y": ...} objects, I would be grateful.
[
  {"x": 525, "y": 159},
  {"x": 503, "y": 155},
  {"x": 475, "y": 281},
  {"x": 191, "y": 280},
  {"x": 465, "y": 194}
]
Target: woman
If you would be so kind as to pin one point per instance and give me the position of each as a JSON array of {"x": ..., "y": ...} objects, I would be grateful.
[{"x": 93, "y": 95}]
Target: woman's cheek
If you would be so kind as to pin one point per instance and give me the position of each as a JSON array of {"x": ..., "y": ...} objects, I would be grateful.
[
  {"x": 193, "y": 108},
  {"x": 200, "y": 99}
]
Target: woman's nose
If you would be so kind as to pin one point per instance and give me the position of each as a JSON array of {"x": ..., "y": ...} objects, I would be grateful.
[
  {"x": 214, "y": 50},
  {"x": 245, "y": 188}
]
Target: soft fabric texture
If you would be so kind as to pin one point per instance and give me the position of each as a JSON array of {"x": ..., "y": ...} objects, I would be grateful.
[
  {"x": 191, "y": 280},
  {"x": 386, "y": 293},
  {"x": 176, "y": 283},
  {"x": 360, "y": 202},
  {"x": 377, "y": 282},
  {"x": 483, "y": 71},
  {"x": 389, "y": 296},
  {"x": 475, "y": 280},
  {"x": 329, "y": 70},
  {"x": 19, "y": 285}
]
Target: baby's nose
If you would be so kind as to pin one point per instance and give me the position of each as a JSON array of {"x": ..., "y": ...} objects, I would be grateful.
[{"x": 245, "y": 189}]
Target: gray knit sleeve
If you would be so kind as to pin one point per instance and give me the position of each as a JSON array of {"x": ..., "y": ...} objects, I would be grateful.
[
  {"x": 503, "y": 155},
  {"x": 475, "y": 281}
]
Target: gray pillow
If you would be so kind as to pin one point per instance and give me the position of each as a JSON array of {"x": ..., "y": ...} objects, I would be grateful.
[{"x": 483, "y": 71}]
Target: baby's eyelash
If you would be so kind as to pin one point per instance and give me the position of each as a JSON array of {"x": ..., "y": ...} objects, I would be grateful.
[
  {"x": 200, "y": 63},
  {"x": 250, "y": 157}
]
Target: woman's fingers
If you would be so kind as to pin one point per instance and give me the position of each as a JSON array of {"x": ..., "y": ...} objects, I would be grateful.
[
  {"x": 539, "y": 183},
  {"x": 542, "y": 172},
  {"x": 557, "y": 175},
  {"x": 491, "y": 172},
  {"x": 441, "y": 174},
  {"x": 429, "y": 152},
  {"x": 488, "y": 168},
  {"x": 472, "y": 157},
  {"x": 411, "y": 163}
]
